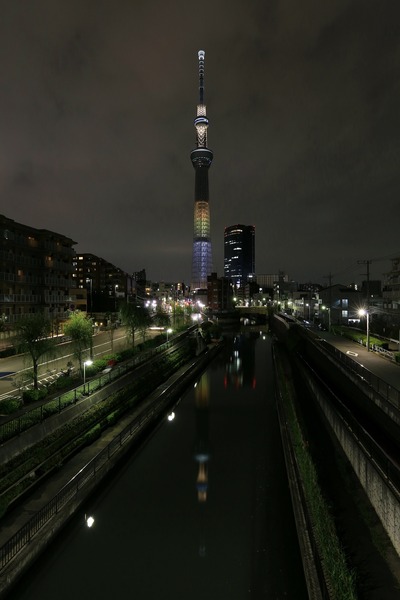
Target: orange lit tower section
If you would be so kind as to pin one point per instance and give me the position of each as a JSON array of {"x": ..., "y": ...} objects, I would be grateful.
[{"x": 201, "y": 158}]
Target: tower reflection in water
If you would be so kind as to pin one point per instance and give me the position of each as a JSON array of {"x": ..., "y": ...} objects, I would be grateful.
[
  {"x": 202, "y": 451},
  {"x": 239, "y": 372}
]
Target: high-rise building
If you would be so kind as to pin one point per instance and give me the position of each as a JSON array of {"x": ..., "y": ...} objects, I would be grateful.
[
  {"x": 201, "y": 158},
  {"x": 239, "y": 254}
]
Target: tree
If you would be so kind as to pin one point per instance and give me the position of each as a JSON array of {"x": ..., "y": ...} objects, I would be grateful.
[
  {"x": 134, "y": 318},
  {"x": 161, "y": 318},
  {"x": 110, "y": 327},
  {"x": 144, "y": 324},
  {"x": 79, "y": 329},
  {"x": 32, "y": 337}
]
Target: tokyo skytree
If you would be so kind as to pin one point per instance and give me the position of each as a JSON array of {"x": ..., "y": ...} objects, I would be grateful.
[{"x": 201, "y": 158}]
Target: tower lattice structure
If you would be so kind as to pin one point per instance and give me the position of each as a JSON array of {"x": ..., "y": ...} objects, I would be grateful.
[{"x": 201, "y": 158}]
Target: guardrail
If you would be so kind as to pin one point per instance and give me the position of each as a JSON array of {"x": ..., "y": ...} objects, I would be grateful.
[
  {"x": 70, "y": 490},
  {"x": 384, "y": 389},
  {"x": 370, "y": 448},
  {"x": 30, "y": 417},
  {"x": 89, "y": 472}
]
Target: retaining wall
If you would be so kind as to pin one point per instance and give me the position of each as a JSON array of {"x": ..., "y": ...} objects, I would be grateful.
[{"x": 383, "y": 497}]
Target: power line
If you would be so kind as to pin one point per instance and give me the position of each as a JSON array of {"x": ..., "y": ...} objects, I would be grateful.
[{"x": 354, "y": 266}]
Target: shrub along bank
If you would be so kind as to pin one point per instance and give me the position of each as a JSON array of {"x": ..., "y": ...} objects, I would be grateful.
[
  {"x": 339, "y": 577},
  {"x": 25, "y": 470}
]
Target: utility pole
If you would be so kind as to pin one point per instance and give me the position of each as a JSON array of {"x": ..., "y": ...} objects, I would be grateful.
[
  {"x": 330, "y": 296},
  {"x": 366, "y": 262}
]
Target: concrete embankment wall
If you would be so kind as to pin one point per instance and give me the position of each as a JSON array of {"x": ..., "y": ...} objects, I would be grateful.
[
  {"x": 31, "y": 436},
  {"x": 383, "y": 497},
  {"x": 29, "y": 552}
]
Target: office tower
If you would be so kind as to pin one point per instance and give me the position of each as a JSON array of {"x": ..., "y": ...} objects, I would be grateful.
[
  {"x": 239, "y": 254},
  {"x": 201, "y": 158}
]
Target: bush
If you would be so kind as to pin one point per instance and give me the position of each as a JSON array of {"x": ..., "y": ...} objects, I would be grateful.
[
  {"x": 124, "y": 355},
  {"x": 10, "y": 405},
  {"x": 92, "y": 435},
  {"x": 33, "y": 395},
  {"x": 63, "y": 382}
]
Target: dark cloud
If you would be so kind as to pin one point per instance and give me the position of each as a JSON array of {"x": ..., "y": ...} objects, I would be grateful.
[{"x": 97, "y": 101}]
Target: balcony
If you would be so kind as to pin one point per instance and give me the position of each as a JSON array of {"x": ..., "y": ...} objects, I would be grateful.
[{"x": 20, "y": 299}]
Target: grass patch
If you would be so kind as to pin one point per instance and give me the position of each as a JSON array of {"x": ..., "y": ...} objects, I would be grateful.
[{"x": 340, "y": 577}]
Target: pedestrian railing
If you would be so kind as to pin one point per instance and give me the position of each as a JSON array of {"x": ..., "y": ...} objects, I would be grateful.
[
  {"x": 385, "y": 390},
  {"x": 162, "y": 399},
  {"x": 30, "y": 417}
]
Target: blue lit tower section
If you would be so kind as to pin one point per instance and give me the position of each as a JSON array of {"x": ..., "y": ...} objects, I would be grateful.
[{"x": 201, "y": 158}]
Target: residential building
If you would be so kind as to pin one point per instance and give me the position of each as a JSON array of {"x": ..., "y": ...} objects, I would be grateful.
[
  {"x": 342, "y": 304},
  {"x": 36, "y": 272},
  {"x": 107, "y": 285}
]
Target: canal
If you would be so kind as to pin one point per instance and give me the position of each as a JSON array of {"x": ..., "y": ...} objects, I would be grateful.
[{"x": 201, "y": 510}]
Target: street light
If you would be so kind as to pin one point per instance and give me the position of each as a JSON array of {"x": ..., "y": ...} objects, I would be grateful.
[
  {"x": 168, "y": 331},
  {"x": 329, "y": 316},
  {"x": 363, "y": 312},
  {"x": 85, "y": 364},
  {"x": 90, "y": 280},
  {"x": 115, "y": 296}
]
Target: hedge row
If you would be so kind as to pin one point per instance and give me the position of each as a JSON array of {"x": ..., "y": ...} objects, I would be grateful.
[
  {"x": 16, "y": 474},
  {"x": 340, "y": 577}
]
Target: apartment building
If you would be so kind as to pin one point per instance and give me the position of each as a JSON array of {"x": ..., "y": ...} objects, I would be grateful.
[{"x": 36, "y": 267}]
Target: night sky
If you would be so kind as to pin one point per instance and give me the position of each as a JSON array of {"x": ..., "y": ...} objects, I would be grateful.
[{"x": 97, "y": 102}]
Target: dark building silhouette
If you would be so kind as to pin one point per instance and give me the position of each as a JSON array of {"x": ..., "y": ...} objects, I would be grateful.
[
  {"x": 220, "y": 294},
  {"x": 239, "y": 254},
  {"x": 107, "y": 285},
  {"x": 201, "y": 158},
  {"x": 36, "y": 272},
  {"x": 139, "y": 282}
]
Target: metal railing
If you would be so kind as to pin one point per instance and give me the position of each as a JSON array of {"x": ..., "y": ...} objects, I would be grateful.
[
  {"x": 24, "y": 536},
  {"x": 384, "y": 389},
  {"x": 89, "y": 472},
  {"x": 29, "y": 418}
]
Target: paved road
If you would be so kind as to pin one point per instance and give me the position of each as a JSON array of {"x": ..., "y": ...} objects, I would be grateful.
[
  {"x": 14, "y": 369},
  {"x": 383, "y": 367}
]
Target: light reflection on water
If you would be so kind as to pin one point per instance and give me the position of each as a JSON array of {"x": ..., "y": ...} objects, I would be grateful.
[{"x": 201, "y": 511}]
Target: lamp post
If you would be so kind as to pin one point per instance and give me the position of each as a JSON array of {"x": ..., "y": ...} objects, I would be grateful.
[
  {"x": 329, "y": 316},
  {"x": 90, "y": 280},
  {"x": 363, "y": 312},
  {"x": 115, "y": 295},
  {"x": 168, "y": 331},
  {"x": 85, "y": 363}
]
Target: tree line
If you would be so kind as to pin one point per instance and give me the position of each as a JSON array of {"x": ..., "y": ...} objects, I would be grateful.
[{"x": 33, "y": 333}]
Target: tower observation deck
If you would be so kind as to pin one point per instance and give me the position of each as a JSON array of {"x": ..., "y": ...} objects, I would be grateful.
[{"x": 201, "y": 158}]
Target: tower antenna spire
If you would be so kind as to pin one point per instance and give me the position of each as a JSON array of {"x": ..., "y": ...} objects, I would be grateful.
[{"x": 201, "y": 55}]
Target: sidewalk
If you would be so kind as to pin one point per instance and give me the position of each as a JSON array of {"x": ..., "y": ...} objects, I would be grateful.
[
  {"x": 16, "y": 518},
  {"x": 378, "y": 364}
]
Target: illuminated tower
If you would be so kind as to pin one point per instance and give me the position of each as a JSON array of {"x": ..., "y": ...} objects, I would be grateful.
[{"x": 201, "y": 158}]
